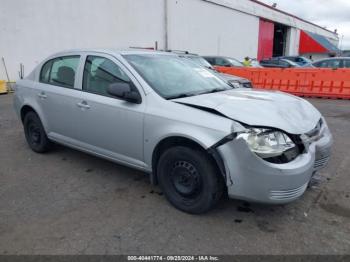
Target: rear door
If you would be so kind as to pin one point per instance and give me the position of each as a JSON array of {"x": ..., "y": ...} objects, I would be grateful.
[
  {"x": 108, "y": 125},
  {"x": 57, "y": 96}
]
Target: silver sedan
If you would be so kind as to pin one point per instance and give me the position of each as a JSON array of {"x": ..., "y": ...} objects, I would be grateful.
[{"x": 196, "y": 136}]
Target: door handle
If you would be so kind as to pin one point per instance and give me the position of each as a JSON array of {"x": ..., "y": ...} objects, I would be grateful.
[
  {"x": 83, "y": 104},
  {"x": 42, "y": 95}
]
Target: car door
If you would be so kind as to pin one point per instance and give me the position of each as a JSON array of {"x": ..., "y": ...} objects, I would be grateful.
[
  {"x": 57, "y": 96},
  {"x": 110, "y": 126}
]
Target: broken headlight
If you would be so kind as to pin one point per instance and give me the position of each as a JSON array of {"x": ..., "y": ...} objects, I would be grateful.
[
  {"x": 267, "y": 143},
  {"x": 235, "y": 84}
]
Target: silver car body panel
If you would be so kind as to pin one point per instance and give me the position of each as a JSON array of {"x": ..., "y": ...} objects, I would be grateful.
[{"x": 128, "y": 133}]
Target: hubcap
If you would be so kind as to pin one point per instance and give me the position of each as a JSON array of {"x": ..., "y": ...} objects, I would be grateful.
[
  {"x": 185, "y": 179},
  {"x": 34, "y": 133}
]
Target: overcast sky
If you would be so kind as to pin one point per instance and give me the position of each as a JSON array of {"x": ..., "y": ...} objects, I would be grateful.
[{"x": 333, "y": 14}]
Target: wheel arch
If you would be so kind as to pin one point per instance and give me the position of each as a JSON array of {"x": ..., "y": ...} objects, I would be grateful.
[
  {"x": 25, "y": 109},
  {"x": 32, "y": 108},
  {"x": 172, "y": 141}
]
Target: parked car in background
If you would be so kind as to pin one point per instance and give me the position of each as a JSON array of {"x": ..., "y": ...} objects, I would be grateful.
[
  {"x": 278, "y": 62},
  {"x": 255, "y": 63},
  {"x": 159, "y": 113},
  {"x": 334, "y": 62},
  {"x": 223, "y": 61},
  {"x": 300, "y": 60},
  {"x": 234, "y": 81}
]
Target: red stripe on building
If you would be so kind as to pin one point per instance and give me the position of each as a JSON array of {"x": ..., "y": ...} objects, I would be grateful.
[{"x": 309, "y": 45}]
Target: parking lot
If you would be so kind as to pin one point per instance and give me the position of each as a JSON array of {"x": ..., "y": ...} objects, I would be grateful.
[{"x": 67, "y": 202}]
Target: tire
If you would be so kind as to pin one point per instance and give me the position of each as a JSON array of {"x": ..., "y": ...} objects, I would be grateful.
[
  {"x": 35, "y": 133},
  {"x": 189, "y": 179}
]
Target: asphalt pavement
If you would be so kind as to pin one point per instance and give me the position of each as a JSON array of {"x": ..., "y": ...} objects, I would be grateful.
[{"x": 68, "y": 202}]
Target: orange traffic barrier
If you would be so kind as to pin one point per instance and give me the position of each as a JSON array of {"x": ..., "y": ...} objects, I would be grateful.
[{"x": 310, "y": 82}]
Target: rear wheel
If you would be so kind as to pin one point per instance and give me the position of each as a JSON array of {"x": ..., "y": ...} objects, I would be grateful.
[
  {"x": 189, "y": 179},
  {"x": 35, "y": 133}
]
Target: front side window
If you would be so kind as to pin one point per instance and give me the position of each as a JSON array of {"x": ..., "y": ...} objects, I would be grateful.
[
  {"x": 99, "y": 73},
  {"x": 173, "y": 77},
  {"x": 60, "y": 71}
]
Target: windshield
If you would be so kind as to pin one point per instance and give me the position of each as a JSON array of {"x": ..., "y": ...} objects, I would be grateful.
[
  {"x": 200, "y": 61},
  {"x": 292, "y": 63},
  {"x": 234, "y": 62},
  {"x": 173, "y": 77},
  {"x": 306, "y": 60}
]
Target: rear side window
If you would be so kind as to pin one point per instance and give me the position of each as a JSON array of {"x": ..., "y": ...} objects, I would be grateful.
[
  {"x": 60, "y": 71},
  {"x": 346, "y": 63},
  {"x": 99, "y": 73},
  {"x": 334, "y": 63},
  {"x": 320, "y": 64},
  {"x": 222, "y": 62},
  {"x": 210, "y": 60},
  {"x": 328, "y": 64}
]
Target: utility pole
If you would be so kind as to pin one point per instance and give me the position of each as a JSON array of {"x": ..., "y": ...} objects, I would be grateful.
[{"x": 166, "y": 44}]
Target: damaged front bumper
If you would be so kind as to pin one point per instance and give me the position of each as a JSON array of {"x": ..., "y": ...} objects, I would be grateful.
[{"x": 251, "y": 178}]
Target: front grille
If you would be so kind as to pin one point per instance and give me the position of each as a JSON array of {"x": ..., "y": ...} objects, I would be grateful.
[
  {"x": 286, "y": 157},
  {"x": 287, "y": 194},
  {"x": 319, "y": 163}
]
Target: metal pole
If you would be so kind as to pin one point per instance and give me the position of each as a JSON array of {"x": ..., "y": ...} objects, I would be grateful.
[
  {"x": 166, "y": 44},
  {"x": 7, "y": 75}
]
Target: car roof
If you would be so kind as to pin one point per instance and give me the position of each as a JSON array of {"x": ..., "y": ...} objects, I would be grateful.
[
  {"x": 112, "y": 51},
  {"x": 330, "y": 59},
  {"x": 213, "y": 56}
]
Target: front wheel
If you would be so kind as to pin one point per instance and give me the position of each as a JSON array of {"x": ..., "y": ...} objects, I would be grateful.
[
  {"x": 35, "y": 133},
  {"x": 189, "y": 179}
]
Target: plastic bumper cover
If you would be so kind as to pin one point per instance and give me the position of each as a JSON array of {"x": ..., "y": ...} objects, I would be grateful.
[{"x": 253, "y": 179}]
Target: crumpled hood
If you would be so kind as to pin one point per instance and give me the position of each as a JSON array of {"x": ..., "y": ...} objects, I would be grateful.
[{"x": 260, "y": 108}]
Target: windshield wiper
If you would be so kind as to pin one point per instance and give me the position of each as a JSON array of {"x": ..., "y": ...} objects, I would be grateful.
[
  {"x": 213, "y": 91},
  {"x": 196, "y": 94}
]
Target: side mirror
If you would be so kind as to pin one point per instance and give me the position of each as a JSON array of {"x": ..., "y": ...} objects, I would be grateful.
[{"x": 124, "y": 91}]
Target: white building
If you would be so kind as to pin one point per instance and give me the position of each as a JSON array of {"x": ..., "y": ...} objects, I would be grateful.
[{"x": 32, "y": 30}]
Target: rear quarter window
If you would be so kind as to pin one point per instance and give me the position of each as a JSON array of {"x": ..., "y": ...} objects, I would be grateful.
[{"x": 45, "y": 72}]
